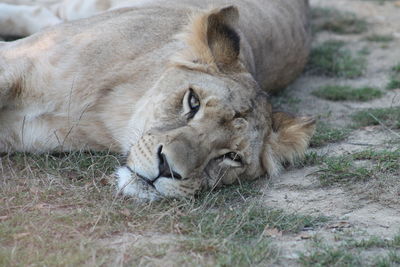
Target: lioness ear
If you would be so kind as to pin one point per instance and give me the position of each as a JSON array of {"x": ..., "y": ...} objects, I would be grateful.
[
  {"x": 223, "y": 40},
  {"x": 288, "y": 140},
  {"x": 211, "y": 39}
]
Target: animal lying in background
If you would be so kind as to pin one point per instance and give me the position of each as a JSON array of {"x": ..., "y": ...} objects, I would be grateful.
[{"x": 178, "y": 86}]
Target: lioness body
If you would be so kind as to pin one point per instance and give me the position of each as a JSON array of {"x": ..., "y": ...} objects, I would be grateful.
[
  {"x": 95, "y": 83},
  {"x": 63, "y": 104}
]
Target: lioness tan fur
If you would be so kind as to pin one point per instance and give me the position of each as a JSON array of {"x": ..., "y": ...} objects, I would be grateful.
[{"x": 181, "y": 87}]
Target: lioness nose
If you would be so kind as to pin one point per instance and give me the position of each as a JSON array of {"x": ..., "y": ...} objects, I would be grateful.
[{"x": 164, "y": 169}]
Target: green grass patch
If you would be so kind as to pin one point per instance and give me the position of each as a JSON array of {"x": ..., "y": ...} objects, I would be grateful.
[
  {"x": 390, "y": 117},
  {"x": 350, "y": 252},
  {"x": 310, "y": 159},
  {"x": 374, "y": 242},
  {"x": 330, "y": 256},
  {"x": 394, "y": 82},
  {"x": 392, "y": 259},
  {"x": 364, "y": 51},
  {"x": 396, "y": 68},
  {"x": 379, "y": 38},
  {"x": 332, "y": 59},
  {"x": 332, "y": 20},
  {"x": 384, "y": 160},
  {"x": 325, "y": 134},
  {"x": 347, "y": 93},
  {"x": 342, "y": 169}
]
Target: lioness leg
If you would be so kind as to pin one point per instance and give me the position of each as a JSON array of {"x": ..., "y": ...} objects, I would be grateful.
[{"x": 21, "y": 20}]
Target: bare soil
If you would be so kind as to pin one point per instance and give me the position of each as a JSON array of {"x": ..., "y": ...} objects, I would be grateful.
[{"x": 299, "y": 189}]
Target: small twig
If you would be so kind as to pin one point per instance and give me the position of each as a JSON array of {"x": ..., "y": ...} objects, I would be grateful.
[
  {"x": 22, "y": 132},
  {"x": 97, "y": 221},
  {"x": 360, "y": 144},
  {"x": 47, "y": 206}
]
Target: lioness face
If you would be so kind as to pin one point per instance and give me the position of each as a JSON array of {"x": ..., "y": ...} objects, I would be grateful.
[
  {"x": 209, "y": 130},
  {"x": 205, "y": 131},
  {"x": 209, "y": 123}
]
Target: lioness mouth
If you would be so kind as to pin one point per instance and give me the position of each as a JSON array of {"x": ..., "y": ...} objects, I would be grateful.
[{"x": 147, "y": 181}]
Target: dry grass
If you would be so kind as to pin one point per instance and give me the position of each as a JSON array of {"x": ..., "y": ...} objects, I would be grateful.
[{"x": 62, "y": 210}]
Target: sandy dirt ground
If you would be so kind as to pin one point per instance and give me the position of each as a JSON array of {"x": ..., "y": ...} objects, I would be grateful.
[{"x": 299, "y": 189}]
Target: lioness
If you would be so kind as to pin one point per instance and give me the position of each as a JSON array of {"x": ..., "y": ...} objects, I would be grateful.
[{"x": 178, "y": 86}]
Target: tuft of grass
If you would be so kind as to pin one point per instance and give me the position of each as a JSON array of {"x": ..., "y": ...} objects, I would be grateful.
[
  {"x": 394, "y": 82},
  {"x": 392, "y": 259},
  {"x": 374, "y": 242},
  {"x": 385, "y": 161},
  {"x": 326, "y": 133},
  {"x": 333, "y": 20},
  {"x": 332, "y": 59},
  {"x": 342, "y": 169},
  {"x": 390, "y": 117},
  {"x": 364, "y": 51},
  {"x": 396, "y": 68},
  {"x": 379, "y": 38},
  {"x": 347, "y": 93},
  {"x": 310, "y": 159},
  {"x": 330, "y": 256},
  {"x": 349, "y": 253}
]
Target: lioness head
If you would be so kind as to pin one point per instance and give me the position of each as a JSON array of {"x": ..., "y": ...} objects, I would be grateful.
[{"x": 209, "y": 123}]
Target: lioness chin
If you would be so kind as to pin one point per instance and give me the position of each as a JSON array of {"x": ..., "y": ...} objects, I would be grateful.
[{"x": 178, "y": 86}]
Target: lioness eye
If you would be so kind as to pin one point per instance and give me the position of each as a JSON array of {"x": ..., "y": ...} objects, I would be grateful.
[
  {"x": 234, "y": 157},
  {"x": 193, "y": 101}
]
